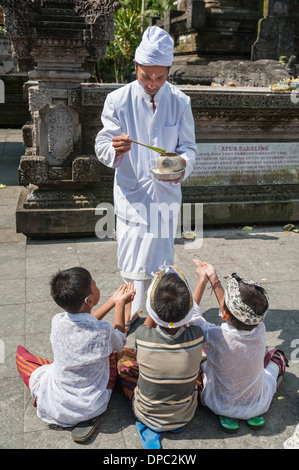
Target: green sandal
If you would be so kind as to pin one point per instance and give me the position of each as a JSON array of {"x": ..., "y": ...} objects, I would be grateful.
[
  {"x": 229, "y": 424},
  {"x": 257, "y": 422}
]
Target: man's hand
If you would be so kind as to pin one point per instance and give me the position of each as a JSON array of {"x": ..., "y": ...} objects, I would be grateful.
[{"x": 121, "y": 144}]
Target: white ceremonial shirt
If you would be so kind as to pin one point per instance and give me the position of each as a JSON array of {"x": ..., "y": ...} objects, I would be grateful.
[
  {"x": 236, "y": 384},
  {"x": 73, "y": 388},
  {"x": 170, "y": 126}
]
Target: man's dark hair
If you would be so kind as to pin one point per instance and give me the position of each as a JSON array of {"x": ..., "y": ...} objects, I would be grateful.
[
  {"x": 253, "y": 296},
  {"x": 70, "y": 287},
  {"x": 171, "y": 298}
]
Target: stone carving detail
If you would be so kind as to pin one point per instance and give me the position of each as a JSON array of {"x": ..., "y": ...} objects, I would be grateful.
[
  {"x": 60, "y": 48},
  {"x": 92, "y": 9},
  {"x": 74, "y": 98},
  {"x": 57, "y": 199},
  {"x": 99, "y": 14},
  {"x": 16, "y": 22},
  {"x": 28, "y": 43},
  {"x": 242, "y": 100},
  {"x": 33, "y": 169},
  {"x": 27, "y": 132},
  {"x": 60, "y": 133},
  {"x": 57, "y": 43},
  {"x": 86, "y": 169},
  {"x": 39, "y": 98},
  {"x": 16, "y": 17},
  {"x": 60, "y": 173},
  {"x": 93, "y": 98}
]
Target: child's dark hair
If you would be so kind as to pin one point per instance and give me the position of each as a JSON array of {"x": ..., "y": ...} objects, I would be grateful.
[
  {"x": 171, "y": 298},
  {"x": 70, "y": 287},
  {"x": 253, "y": 296}
]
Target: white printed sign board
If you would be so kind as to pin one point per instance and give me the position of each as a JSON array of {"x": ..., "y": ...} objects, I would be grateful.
[{"x": 245, "y": 163}]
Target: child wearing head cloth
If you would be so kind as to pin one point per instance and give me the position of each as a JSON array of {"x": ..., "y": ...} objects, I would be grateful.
[
  {"x": 241, "y": 375},
  {"x": 169, "y": 352}
]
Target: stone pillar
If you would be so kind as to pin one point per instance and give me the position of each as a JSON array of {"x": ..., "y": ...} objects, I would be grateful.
[
  {"x": 276, "y": 31},
  {"x": 210, "y": 31},
  {"x": 58, "y": 41}
]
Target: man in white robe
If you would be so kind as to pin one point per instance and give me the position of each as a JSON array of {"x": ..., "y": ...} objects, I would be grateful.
[{"x": 152, "y": 111}]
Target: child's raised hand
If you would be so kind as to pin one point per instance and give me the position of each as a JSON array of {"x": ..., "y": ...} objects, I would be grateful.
[
  {"x": 125, "y": 293},
  {"x": 210, "y": 270},
  {"x": 200, "y": 269},
  {"x": 207, "y": 268},
  {"x": 131, "y": 291}
]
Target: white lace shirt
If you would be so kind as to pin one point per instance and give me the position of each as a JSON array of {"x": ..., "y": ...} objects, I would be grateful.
[
  {"x": 73, "y": 388},
  {"x": 236, "y": 384}
]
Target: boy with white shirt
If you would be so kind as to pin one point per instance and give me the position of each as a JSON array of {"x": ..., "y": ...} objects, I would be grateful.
[{"x": 77, "y": 386}]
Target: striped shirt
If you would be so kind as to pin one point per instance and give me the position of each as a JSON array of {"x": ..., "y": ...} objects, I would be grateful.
[{"x": 165, "y": 397}]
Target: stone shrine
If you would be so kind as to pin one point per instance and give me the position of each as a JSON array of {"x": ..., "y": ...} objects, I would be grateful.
[
  {"x": 58, "y": 41},
  {"x": 230, "y": 40},
  {"x": 248, "y": 165}
]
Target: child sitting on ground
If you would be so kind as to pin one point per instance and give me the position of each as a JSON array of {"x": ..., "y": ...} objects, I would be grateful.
[
  {"x": 240, "y": 374},
  {"x": 77, "y": 386},
  {"x": 169, "y": 352}
]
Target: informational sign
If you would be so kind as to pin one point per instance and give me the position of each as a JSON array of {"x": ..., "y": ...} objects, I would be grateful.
[{"x": 245, "y": 163}]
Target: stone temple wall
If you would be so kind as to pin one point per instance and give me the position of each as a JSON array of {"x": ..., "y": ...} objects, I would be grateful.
[
  {"x": 246, "y": 172},
  {"x": 247, "y": 168},
  {"x": 210, "y": 33}
]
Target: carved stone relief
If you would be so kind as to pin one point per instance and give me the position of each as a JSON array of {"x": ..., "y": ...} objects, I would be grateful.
[
  {"x": 74, "y": 98},
  {"x": 39, "y": 98},
  {"x": 60, "y": 133},
  {"x": 56, "y": 199},
  {"x": 91, "y": 10},
  {"x": 33, "y": 169},
  {"x": 86, "y": 169},
  {"x": 242, "y": 100}
]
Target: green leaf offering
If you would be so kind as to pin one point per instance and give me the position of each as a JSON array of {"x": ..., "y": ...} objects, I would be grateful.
[{"x": 156, "y": 149}]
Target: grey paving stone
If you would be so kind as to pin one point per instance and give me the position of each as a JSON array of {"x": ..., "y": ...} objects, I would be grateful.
[{"x": 266, "y": 254}]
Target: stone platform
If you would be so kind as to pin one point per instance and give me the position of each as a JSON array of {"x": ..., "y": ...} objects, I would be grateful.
[{"x": 247, "y": 187}]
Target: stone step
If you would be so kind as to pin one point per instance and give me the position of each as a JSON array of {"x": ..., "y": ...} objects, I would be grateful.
[
  {"x": 59, "y": 33},
  {"x": 54, "y": 25},
  {"x": 57, "y": 11},
  {"x": 58, "y": 18},
  {"x": 51, "y": 28},
  {"x": 61, "y": 4}
]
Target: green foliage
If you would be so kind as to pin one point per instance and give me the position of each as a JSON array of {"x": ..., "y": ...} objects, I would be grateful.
[
  {"x": 119, "y": 65},
  {"x": 130, "y": 22},
  {"x": 157, "y": 8}
]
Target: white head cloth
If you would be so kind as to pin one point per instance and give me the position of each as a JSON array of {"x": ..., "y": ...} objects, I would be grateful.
[
  {"x": 156, "y": 48},
  {"x": 237, "y": 307},
  {"x": 150, "y": 298}
]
